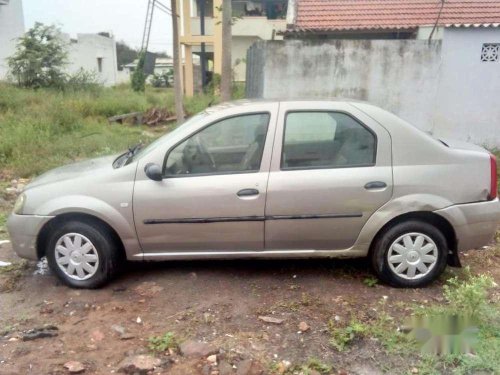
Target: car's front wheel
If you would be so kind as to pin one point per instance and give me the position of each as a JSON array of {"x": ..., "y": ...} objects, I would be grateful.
[
  {"x": 410, "y": 254},
  {"x": 82, "y": 254}
]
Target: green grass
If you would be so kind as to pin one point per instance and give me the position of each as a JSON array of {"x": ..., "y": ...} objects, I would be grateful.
[
  {"x": 312, "y": 366},
  {"x": 468, "y": 297},
  {"x": 43, "y": 129},
  {"x": 3, "y": 229},
  {"x": 342, "y": 336},
  {"x": 370, "y": 281},
  {"x": 160, "y": 344}
]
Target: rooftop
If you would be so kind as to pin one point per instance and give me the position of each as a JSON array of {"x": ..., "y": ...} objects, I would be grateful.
[{"x": 349, "y": 15}]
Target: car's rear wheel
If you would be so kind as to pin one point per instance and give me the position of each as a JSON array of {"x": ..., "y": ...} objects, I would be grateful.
[
  {"x": 82, "y": 254},
  {"x": 410, "y": 254}
]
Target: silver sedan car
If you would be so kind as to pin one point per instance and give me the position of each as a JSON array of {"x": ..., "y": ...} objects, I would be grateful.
[{"x": 267, "y": 179}]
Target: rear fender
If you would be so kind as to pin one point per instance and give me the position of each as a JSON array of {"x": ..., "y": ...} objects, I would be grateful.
[{"x": 394, "y": 208}]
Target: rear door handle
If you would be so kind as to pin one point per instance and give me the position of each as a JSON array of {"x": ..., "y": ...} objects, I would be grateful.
[
  {"x": 375, "y": 185},
  {"x": 247, "y": 192}
]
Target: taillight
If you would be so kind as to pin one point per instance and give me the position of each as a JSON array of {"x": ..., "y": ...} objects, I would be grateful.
[{"x": 494, "y": 181}]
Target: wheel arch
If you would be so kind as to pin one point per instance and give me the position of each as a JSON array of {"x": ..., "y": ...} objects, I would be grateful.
[
  {"x": 44, "y": 233},
  {"x": 428, "y": 217}
]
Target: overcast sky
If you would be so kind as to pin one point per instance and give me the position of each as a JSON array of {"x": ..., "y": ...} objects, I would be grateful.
[{"x": 124, "y": 18}]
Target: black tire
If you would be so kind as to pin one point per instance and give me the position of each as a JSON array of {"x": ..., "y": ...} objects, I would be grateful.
[
  {"x": 104, "y": 243},
  {"x": 384, "y": 241}
]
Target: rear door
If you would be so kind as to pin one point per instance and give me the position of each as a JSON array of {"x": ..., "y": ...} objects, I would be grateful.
[{"x": 330, "y": 170}]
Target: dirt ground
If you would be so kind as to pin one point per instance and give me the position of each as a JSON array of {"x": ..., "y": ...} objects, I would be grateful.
[{"x": 218, "y": 302}]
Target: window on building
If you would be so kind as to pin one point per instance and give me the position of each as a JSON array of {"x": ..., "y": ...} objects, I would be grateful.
[
  {"x": 209, "y": 7},
  {"x": 490, "y": 52},
  {"x": 272, "y": 9},
  {"x": 326, "y": 140},
  {"x": 99, "y": 64}
]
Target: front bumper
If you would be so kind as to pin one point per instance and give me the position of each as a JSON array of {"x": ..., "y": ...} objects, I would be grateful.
[
  {"x": 23, "y": 231},
  {"x": 475, "y": 224}
]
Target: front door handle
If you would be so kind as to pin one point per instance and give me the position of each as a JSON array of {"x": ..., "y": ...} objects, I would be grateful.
[
  {"x": 375, "y": 185},
  {"x": 247, "y": 192}
]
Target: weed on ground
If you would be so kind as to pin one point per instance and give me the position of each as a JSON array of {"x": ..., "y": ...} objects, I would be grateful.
[{"x": 42, "y": 129}]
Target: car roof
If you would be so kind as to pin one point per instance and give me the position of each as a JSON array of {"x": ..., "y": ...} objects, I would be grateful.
[{"x": 245, "y": 102}]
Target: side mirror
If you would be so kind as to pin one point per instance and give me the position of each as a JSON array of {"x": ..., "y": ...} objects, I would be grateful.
[{"x": 153, "y": 171}]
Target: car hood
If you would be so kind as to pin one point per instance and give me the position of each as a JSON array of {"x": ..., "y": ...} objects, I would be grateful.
[{"x": 75, "y": 170}]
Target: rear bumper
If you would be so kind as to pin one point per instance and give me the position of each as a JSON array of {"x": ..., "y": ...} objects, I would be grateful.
[
  {"x": 475, "y": 223},
  {"x": 23, "y": 231}
]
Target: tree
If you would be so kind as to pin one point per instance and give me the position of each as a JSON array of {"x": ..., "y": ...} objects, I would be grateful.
[
  {"x": 125, "y": 54},
  {"x": 138, "y": 76},
  {"x": 226, "y": 69},
  {"x": 179, "y": 109},
  {"x": 40, "y": 57}
]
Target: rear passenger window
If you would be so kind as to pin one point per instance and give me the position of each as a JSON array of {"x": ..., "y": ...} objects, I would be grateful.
[{"x": 326, "y": 139}]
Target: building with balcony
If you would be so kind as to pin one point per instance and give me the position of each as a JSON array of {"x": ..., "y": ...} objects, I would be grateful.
[
  {"x": 11, "y": 28},
  {"x": 252, "y": 21}
]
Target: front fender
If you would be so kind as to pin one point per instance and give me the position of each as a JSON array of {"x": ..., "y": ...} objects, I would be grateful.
[{"x": 120, "y": 219}]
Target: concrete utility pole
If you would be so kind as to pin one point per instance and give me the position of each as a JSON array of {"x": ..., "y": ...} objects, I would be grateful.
[
  {"x": 179, "y": 108},
  {"x": 203, "y": 56},
  {"x": 226, "y": 71}
]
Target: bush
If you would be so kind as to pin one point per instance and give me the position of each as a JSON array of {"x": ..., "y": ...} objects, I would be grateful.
[
  {"x": 238, "y": 90},
  {"x": 161, "y": 79},
  {"x": 39, "y": 58},
  {"x": 82, "y": 80},
  {"x": 466, "y": 297},
  {"x": 469, "y": 296},
  {"x": 214, "y": 85},
  {"x": 139, "y": 77}
]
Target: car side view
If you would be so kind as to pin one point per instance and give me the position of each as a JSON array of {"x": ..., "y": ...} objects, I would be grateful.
[{"x": 267, "y": 179}]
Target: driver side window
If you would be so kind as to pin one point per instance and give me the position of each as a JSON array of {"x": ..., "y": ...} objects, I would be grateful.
[{"x": 231, "y": 145}]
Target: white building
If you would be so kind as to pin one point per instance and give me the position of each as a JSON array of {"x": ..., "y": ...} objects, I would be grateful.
[
  {"x": 90, "y": 52},
  {"x": 11, "y": 28},
  {"x": 93, "y": 53},
  {"x": 162, "y": 65}
]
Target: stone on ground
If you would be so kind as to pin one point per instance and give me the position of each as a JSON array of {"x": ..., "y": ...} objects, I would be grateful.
[
  {"x": 197, "y": 349},
  {"x": 74, "y": 367},
  {"x": 139, "y": 364}
]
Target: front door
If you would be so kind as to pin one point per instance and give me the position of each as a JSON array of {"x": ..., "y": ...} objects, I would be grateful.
[
  {"x": 331, "y": 170},
  {"x": 213, "y": 194}
]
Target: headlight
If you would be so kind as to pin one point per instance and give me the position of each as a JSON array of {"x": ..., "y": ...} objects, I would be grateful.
[{"x": 19, "y": 205}]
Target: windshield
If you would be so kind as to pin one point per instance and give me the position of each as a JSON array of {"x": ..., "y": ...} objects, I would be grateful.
[{"x": 191, "y": 122}]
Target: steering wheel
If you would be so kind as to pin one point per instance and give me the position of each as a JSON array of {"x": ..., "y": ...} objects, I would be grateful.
[
  {"x": 204, "y": 151},
  {"x": 195, "y": 153}
]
